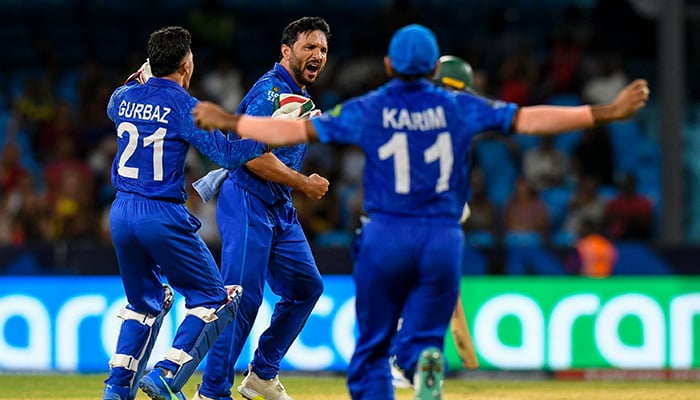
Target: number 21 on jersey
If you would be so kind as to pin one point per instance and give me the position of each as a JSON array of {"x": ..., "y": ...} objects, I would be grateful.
[
  {"x": 156, "y": 139},
  {"x": 440, "y": 151}
]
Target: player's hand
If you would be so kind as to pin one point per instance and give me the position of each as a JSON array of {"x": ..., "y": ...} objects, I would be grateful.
[
  {"x": 209, "y": 116},
  {"x": 141, "y": 75},
  {"x": 316, "y": 187},
  {"x": 631, "y": 99}
]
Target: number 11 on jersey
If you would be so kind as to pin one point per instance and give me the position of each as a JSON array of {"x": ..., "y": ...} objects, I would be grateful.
[{"x": 441, "y": 151}]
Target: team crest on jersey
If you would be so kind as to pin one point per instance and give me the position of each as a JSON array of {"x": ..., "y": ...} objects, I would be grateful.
[
  {"x": 335, "y": 111},
  {"x": 272, "y": 94}
]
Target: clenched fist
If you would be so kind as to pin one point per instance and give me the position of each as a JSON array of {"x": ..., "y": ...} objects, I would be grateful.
[
  {"x": 316, "y": 187},
  {"x": 631, "y": 99}
]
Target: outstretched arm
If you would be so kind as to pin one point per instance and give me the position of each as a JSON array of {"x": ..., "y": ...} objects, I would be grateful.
[
  {"x": 264, "y": 129},
  {"x": 528, "y": 120},
  {"x": 537, "y": 120}
]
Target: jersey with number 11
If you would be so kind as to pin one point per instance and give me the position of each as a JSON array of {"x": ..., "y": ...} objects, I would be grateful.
[
  {"x": 416, "y": 138},
  {"x": 155, "y": 129}
]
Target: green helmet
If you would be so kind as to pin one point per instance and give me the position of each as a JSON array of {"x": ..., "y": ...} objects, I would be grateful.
[{"x": 455, "y": 73}]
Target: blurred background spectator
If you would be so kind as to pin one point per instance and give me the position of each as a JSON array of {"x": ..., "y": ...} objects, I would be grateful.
[
  {"x": 593, "y": 156},
  {"x": 62, "y": 60},
  {"x": 525, "y": 217},
  {"x": 629, "y": 215},
  {"x": 585, "y": 205},
  {"x": 482, "y": 227},
  {"x": 545, "y": 166},
  {"x": 596, "y": 253}
]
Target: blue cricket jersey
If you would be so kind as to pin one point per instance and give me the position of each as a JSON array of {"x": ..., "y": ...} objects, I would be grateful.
[
  {"x": 155, "y": 129},
  {"x": 416, "y": 137},
  {"x": 260, "y": 101}
]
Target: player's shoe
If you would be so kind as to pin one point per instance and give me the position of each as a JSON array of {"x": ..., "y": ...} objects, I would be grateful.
[
  {"x": 255, "y": 388},
  {"x": 199, "y": 396},
  {"x": 157, "y": 387},
  {"x": 115, "y": 392},
  {"x": 430, "y": 372},
  {"x": 398, "y": 378}
]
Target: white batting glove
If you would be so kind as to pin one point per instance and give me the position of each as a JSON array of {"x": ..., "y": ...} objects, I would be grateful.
[
  {"x": 142, "y": 74},
  {"x": 294, "y": 106}
]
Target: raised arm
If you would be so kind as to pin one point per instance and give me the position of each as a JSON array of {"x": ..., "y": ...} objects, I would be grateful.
[
  {"x": 265, "y": 129},
  {"x": 533, "y": 120},
  {"x": 538, "y": 120}
]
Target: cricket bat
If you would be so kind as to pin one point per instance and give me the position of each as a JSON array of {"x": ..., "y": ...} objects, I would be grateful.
[{"x": 462, "y": 337}]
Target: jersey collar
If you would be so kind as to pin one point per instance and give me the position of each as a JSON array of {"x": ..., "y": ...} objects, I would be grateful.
[
  {"x": 284, "y": 74},
  {"x": 410, "y": 85},
  {"x": 162, "y": 82}
]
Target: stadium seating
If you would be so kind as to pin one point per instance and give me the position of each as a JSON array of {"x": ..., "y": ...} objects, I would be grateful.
[
  {"x": 557, "y": 200},
  {"x": 498, "y": 166},
  {"x": 625, "y": 137},
  {"x": 474, "y": 262},
  {"x": 480, "y": 239},
  {"x": 108, "y": 31},
  {"x": 629, "y": 254}
]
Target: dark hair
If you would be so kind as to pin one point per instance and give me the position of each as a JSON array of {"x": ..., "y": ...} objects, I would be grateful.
[
  {"x": 305, "y": 24},
  {"x": 166, "y": 48}
]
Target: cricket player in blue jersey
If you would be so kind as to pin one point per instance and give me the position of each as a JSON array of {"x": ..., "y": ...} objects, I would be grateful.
[
  {"x": 455, "y": 74},
  {"x": 416, "y": 138},
  {"x": 262, "y": 239},
  {"x": 152, "y": 231}
]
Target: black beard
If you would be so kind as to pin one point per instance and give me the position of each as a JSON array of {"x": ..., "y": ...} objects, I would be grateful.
[
  {"x": 299, "y": 75},
  {"x": 298, "y": 71}
]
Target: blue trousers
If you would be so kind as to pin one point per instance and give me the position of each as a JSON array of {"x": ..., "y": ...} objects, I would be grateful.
[
  {"x": 151, "y": 238},
  {"x": 403, "y": 266},
  {"x": 260, "y": 243}
]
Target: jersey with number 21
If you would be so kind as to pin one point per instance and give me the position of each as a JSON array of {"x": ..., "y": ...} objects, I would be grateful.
[{"x": 155, "y": 129}]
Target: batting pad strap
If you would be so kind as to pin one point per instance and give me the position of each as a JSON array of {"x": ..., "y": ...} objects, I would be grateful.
[
  {"x": 125, "y": 361},
  {"x": 205, "y": 314},
  {"x": 145, "y": 319},
  {"x": 178, "y": 356}
]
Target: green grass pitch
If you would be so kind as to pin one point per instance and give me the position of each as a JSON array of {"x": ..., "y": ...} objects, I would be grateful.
[{"x": 88, "y": 386}]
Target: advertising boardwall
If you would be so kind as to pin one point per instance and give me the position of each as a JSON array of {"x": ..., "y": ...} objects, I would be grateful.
[{"x": 525, "y": 323}]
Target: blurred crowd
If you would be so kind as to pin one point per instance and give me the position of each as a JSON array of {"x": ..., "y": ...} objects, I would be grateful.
[{"x": 57, "y": 144}]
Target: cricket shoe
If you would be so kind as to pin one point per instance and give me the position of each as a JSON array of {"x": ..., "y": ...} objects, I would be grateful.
[
  {"x": 398, "y": 378},
  {"x": 115, "y": 392},
  {"x": 157, "y": 387},
  {"x": 255, "y": 388},
  {"x": 200, "y": 396},
  {"x": 430, "y": 372}
]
